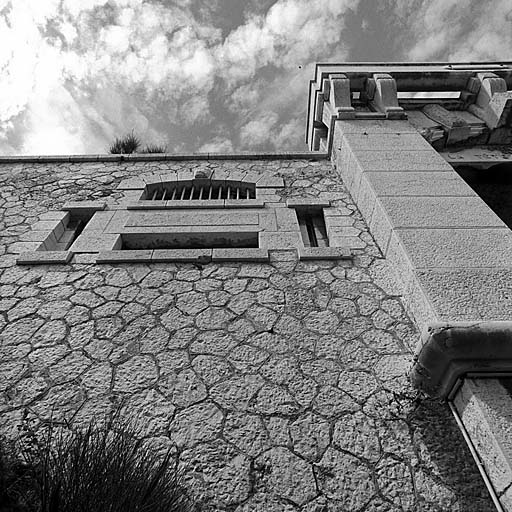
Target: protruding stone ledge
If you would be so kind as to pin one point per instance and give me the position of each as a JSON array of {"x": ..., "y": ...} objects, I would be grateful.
[
  {"x": 240, "y": 254},
  {"x": 324, "y": 253},
  {"x": 44, "y": 258},
  {"x": 448, "y": 351},
  {"x": 307, "y": 203},
  {"x": 195, "y": 204},
  {"x": 182, "y": 255},
  {"x": 161, "y": 157},
  {"x": 136, "y": 256}
]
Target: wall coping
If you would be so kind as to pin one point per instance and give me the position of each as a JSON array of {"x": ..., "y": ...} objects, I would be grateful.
[
  {"x": 163, "y": 157},
  {"x": 447, "y": 351}
]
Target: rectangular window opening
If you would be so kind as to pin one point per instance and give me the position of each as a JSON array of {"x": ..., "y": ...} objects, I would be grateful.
[
  {"x": 312, "y": 227},
  {"x": 206, "y": 240}
]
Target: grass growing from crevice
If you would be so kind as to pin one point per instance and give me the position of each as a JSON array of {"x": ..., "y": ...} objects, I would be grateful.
[
  {"x": 154, "y": 148},
  {"x": 130, "y": 143},
  {"x": 102, "y": 469},
  {"x": 126, "y": 144}
]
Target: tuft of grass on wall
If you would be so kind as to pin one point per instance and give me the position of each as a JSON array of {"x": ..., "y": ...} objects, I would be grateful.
[
  {"x": 103, "y": 468},
  {"x": 154, "y": 148},
  {"x": 126, "y": 144}
]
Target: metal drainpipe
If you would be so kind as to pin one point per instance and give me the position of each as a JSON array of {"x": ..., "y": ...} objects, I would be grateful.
[{"x": 479, "y": 464}]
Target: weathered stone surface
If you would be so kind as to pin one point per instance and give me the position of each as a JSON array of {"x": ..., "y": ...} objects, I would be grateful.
[
  {"x": 196, "y": 424},
  {"x": 287, "y": 475},
  {"x": 281, "y": 383},
  {"x": 137, "y": 373}
]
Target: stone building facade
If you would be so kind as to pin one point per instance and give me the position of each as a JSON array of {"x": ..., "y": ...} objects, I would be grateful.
[{"x": 267, "y": 332}]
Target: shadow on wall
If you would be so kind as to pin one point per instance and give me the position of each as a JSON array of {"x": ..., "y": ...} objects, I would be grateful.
[
  {"x": 445, "y": 458},
  {"x": 494, "y": 186}
]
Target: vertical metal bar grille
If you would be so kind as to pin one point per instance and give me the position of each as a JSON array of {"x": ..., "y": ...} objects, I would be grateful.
[{"x": 192, "y": 191}]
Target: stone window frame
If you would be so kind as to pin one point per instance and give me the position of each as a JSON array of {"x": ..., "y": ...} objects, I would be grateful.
[{"x": 109, "y": 244}]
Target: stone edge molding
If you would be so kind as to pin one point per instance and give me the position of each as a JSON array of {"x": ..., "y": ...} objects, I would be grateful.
[
  {"x": 20, "y": 159},
  {"x": 449, "y": 350}
]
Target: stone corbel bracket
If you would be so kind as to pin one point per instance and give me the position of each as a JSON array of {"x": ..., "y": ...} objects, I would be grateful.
[
  {"x": 383, "y": 95},
  {"x": 333, "y": 101},
  {"x": 448, "y": 351},
  {"x": 493, "y": 103}
]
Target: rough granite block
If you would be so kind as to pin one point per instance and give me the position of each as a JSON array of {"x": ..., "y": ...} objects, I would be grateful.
[
  {"x": 458, "y": 248},
  {"x": 186, "y": 175},
  {"x": 99, "y": 221},
  {"x": 21, "y": 247},
  {"x": 353, "y": 242},
  {"x": 287, "y": 219},
  {"x": 117, "y": 222},
  {"x": 169, "y": 177},
  {"x": 307, "y": 202},
  {"x": 442, "y": 212},
  {"x": 386, "y": 141},
  {"x": 192, "y": 218},
  {"x": 146, "y": 204},
  {"x": 269, "y": 198},
  {"x": 412, "y": 183},
  {"x": 278, "y": 240},
  {"x": 84, "y": 206},
  {"x": 96, "y": 242},
  {"x": 468, "y": 293},
  {"x": 244, "y": 203},
  {"x": 268, "y": 220},
  {"x": 270, "y": 182},
  {"x": 131, "y": 196},
  {"x": 240, "y": 254},
  {"x": 38, "y": 236},
  {"x": 138, "y": 256},
  {"x": 338, "y": 221},
  {"x": 151, "y": 178},
  {"x": 182, "y": 255},
  {"x": 324, "y": 253},
  {"x": 44, "y": 258},
  {"x": 55, "y": 215},
  {"x": 220, "y": 175},
  {"x": 375, "y": 126},
  {"x": 54, "y": 225},
  {"x": 401, "y": 160},
  {"x": 132, "y": 184},
  {"x": 380, "y": 226}
]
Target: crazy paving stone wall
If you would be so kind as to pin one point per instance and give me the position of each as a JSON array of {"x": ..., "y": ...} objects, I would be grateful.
[{"x": 283, "y": 385}]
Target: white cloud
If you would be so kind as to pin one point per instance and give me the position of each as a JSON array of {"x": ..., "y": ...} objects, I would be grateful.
[
  {"x": 217, "y": 145},
  {"x": 457, "y": 29},
  {"x": 258, "y": 132}
]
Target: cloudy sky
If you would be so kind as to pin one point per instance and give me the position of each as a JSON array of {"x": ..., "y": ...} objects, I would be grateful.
[{"x": 207, "y": 75}]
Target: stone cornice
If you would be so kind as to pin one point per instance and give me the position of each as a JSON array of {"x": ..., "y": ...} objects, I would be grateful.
[{"x": 162, "y": 157}]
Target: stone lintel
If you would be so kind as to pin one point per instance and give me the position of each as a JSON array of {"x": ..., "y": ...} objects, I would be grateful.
[
  {"x": 305, "y": 203},
  {"x": 182, "y": 255},
  {"x": 240, "y": 254},
  {"x": 449, "y": 350},
  {"x": 324, "y": 253},
  {"x": 44, "y": 258}
]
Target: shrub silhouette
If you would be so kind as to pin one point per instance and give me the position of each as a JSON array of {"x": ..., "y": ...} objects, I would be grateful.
[{"x": 102, "y": 468}]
